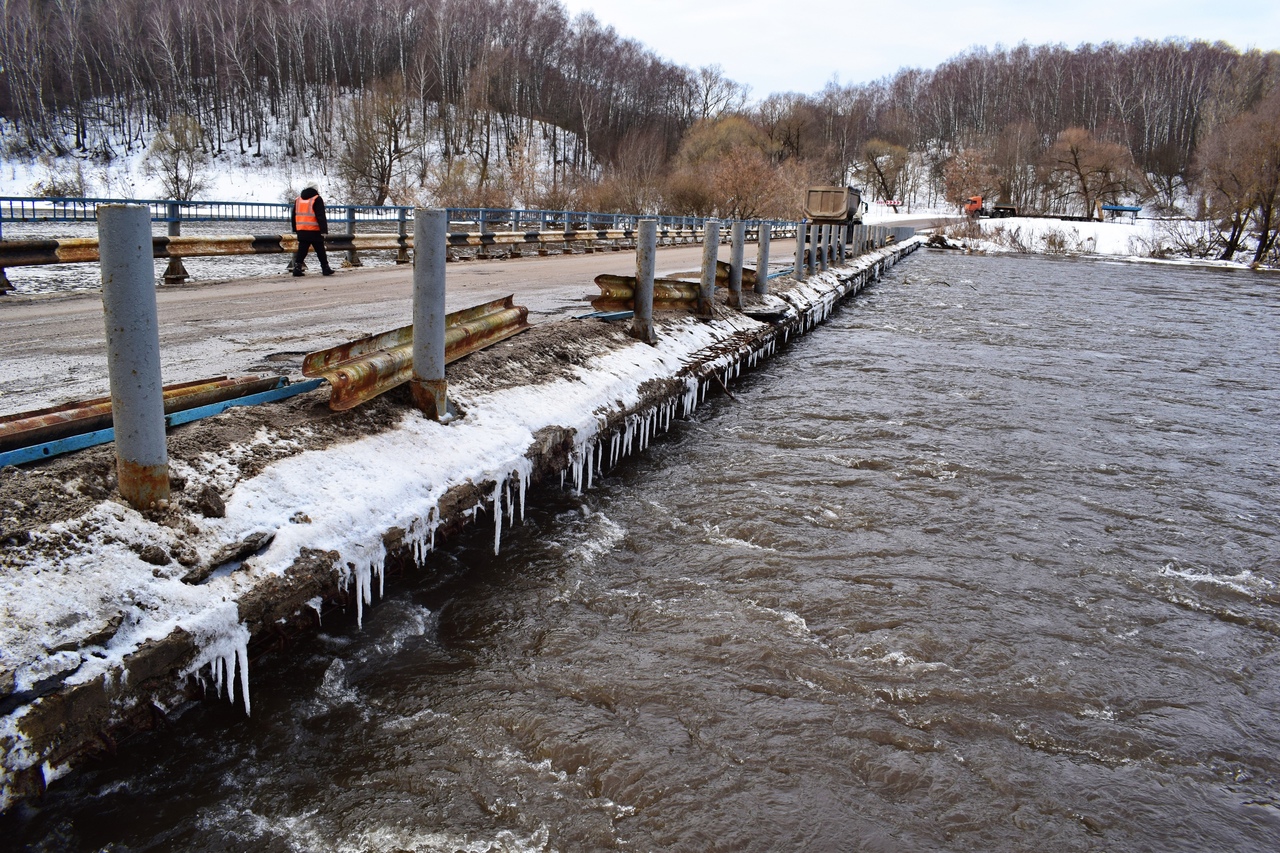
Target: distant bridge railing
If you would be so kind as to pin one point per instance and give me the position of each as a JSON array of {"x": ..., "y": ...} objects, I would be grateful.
[{"x": 482, "y": 219}]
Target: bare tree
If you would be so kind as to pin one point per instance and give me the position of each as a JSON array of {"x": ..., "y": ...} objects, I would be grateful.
[
  {"x": 882, "y": 165},
  {"x": 968, "y": 173},
  {"x": 716, "y": 95},
  {"x": 1082, "y": 167},
  {"x": 179, "y": 159},
  {"x": 378, "y": 141}
]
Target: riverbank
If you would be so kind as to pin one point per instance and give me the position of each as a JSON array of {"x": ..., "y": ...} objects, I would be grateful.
[
  {"x": 1156, "y": 241},
  {"x": 286, "y": 514}
]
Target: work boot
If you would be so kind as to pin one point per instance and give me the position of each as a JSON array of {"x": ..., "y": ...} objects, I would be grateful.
[
  {"x": 298, "y": 275},
  {"x": 326, "y": 272}
]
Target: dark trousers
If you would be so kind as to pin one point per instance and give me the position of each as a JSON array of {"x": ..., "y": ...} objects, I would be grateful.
[{"x": 313, "y": 240}]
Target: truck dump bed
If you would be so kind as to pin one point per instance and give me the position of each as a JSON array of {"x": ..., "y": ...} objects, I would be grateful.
[{"x": 833, "y": 204}]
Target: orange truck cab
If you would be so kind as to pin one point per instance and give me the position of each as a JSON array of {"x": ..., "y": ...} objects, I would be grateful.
[{"x": 973, "y": 207}]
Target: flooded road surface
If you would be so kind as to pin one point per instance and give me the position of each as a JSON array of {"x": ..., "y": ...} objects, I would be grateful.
[{"x": 989, "y": 562}]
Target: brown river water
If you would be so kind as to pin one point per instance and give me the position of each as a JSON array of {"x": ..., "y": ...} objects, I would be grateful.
[{"x": 988, "y": 562}]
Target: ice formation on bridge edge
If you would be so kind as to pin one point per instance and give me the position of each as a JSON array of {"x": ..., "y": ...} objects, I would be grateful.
[{"x": 222, "y": 641}]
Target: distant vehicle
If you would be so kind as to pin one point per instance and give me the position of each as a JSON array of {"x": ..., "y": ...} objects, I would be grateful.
[
  {"x": 974, "y": 207},
  {"x": 834, "y": 205}
]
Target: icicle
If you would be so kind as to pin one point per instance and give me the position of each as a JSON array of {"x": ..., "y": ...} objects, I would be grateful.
[
  {"x": 524, "y": 482},
  {"x": 242, "y": 655},
  {"x": 364, "y": 592},
  {"x": 690, "y": 399},
  {"x": 497, "y": 518},
  {"x": 215, "y": 671},
  {"x": 590, "y": 457},
  {"x": 317, "y": 604},
  {"x": 223, "y": 642}
]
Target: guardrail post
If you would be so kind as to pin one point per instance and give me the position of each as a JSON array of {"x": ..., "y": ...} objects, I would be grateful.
[
  {"x": 842, "y": 235},
  {"x": 175, "y": 272},
  {"x": 5, "y": 285},
  {"x": 737, "y": 245},
  {"x": 762, "y": 259},
  {"x": 402, "y": 230},
  {"x": 430, "y": 244},
  {"x": 802, "y": 229},
  {"x": 480, "y": 254},
  {"x": 823, "y": 242},
  {"x": 811, "y": 257},
  {"x": 646, "y": 263},
  {"x": 353, "y": 260},
  {"x": 133, "y": 353},
  {"x": 707, "y": 286}
]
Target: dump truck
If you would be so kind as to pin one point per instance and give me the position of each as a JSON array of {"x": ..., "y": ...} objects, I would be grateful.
[
  {"x": 974, "y": 207},
  {"x": 834, "y": 205}
]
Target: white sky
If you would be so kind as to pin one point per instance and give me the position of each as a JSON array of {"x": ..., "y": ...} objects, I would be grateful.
[{"x": 779, "y": 46}]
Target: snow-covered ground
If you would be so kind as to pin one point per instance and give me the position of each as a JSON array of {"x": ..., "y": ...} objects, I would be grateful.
[
  {"x": 1051, "y": 236},
  {"x": 229, "y": 177},
  {"x": 1147, "y": 240}
]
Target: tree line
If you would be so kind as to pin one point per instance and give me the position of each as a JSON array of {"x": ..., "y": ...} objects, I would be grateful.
[
  {"x": 511, "y": 101},
  {"x": 468, "y": 82}
]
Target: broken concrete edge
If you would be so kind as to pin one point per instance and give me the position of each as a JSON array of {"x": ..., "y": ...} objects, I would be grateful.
[{"x": 43, "y": 739}]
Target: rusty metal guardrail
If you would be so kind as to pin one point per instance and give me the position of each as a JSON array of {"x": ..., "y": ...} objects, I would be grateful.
[
  {"x": 617, "y": 292},
  {"x": 21, "y": 253},
  {"x": 42, "y": 425},
  {"x": 360, "y": 370}
]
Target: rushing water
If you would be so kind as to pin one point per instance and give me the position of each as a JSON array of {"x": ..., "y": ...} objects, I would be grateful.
[{"x": 989, "y": 562}]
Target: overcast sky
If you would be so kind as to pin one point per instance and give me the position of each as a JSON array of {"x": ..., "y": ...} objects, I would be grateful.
[{"x": 798, "y": 46}]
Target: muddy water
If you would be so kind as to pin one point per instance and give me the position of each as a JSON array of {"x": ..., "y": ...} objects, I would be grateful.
[{"x": 989, "y": 562}]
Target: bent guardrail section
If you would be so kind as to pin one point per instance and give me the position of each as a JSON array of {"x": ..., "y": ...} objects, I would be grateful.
[{"x": 360, "y": 370}]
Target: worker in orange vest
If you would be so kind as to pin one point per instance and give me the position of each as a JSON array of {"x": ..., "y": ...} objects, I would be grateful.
[{"x": 310, "y": 225}]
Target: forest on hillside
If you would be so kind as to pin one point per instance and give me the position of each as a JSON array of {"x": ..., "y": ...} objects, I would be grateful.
[{"x": 512, "y": 102}]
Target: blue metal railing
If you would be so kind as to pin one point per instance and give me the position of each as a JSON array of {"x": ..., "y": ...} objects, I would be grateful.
[{"x": 33, "y": 209}]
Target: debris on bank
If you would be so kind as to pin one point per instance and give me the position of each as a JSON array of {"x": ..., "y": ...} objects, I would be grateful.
[{"x": 112, "y": 619}]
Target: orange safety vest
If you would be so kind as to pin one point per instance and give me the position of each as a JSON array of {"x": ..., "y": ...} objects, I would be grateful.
[{"x": 304, "y": 214}]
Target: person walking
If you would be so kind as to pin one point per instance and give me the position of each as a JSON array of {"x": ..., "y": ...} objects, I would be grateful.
[{"x": 309, "y": 223}]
